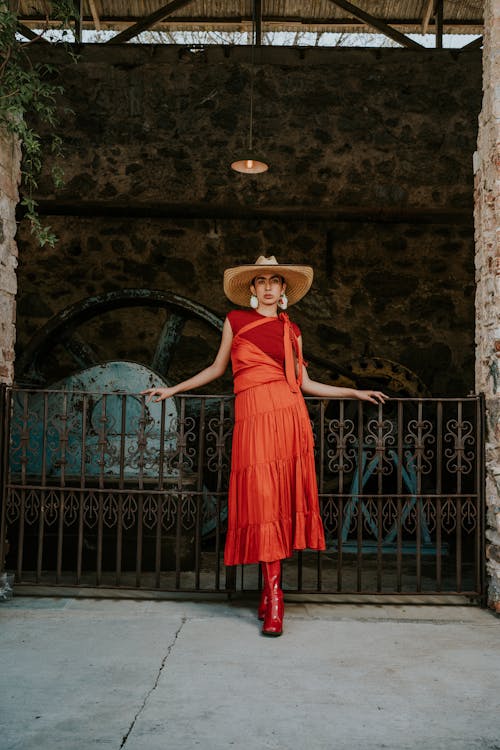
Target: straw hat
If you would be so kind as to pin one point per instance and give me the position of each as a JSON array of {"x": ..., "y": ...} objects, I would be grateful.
[{"x": 237, "y": 280}]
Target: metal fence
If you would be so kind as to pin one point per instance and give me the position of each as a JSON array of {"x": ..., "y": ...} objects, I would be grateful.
[{"x": 104, "y": 490}]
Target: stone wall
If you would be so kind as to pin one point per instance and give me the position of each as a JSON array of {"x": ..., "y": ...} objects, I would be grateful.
[
  {"x": 487, "y": 220},
  {"x": 370, "y": 154},
  {"x": 9, "y": 179}
]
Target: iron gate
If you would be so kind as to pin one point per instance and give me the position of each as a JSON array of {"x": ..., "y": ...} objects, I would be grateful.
[{"x": 104, "y": 490}]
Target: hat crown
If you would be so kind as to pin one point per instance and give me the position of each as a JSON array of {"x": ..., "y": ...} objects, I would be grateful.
[{"x": 263, "y": 261}]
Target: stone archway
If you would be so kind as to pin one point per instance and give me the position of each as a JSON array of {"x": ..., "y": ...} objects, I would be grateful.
[{"x": 487, "y": 234}]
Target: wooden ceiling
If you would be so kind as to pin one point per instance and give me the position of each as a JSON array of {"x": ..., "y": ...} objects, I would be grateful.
[{"x": 394, "y": 18}]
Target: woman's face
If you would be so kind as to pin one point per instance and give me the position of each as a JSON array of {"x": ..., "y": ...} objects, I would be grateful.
[{"x": 267, "y": 288}]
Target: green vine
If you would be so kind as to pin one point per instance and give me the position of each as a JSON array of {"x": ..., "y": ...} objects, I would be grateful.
[{"x": 27, "y": 95}]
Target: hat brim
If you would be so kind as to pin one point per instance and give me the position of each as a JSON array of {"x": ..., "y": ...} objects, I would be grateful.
[{"x": 237, "y": 281}]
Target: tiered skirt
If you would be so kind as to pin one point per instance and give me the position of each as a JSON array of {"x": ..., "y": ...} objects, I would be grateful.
[{"x": 273, "y": 505}]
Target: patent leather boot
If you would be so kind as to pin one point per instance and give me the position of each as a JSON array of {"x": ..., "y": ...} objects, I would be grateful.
[
  {"x": 273, "y": 619},
  {"x": 261, "y": 612}
]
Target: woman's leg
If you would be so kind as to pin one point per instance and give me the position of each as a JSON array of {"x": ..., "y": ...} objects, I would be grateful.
[{"x": 273, "y": 617}]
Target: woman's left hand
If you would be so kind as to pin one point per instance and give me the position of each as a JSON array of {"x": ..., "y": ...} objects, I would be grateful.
[{"x": 374, "y": 397}]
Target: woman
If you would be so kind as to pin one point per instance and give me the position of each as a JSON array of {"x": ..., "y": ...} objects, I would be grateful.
[{"x": 273, "y": 505}]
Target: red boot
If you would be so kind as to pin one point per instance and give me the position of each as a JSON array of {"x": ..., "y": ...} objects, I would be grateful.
[
  {"x": 261, "y": 612},
  {"x": 273, "y": 619}
]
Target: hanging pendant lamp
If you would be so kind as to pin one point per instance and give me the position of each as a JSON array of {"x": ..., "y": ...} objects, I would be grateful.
[{"x": 250, "y": 164}]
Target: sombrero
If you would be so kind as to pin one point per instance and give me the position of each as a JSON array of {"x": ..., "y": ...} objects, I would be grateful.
[{"x": 237, "y": 280}]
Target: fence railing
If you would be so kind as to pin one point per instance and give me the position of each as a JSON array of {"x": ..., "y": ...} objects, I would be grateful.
[{"x": 102, "y": 489}]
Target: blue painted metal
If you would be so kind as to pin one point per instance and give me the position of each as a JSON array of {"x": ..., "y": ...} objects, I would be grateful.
[
  {"x": 57, "y": 439},
  {"x": 388, "y": 543}
]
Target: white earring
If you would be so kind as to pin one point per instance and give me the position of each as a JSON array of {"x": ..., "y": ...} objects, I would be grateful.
[
  {"x": 283, "y": 301},
  {"x": 254, "y": 302}
]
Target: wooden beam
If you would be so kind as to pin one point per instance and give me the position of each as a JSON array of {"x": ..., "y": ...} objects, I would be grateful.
[
  {"x": 427, "y": 12},
  {"x": 148, "y": 21},
  {"x": 300, "y": 213},
  {"x": 376, "y": 23},
  {"x": 409, "y": 25},
  {"x": 439, "y": 24},
  {"x": 257, "y": 12},
  {"x": 78, "y": 21},
  {"x": 95, "y": 15},
  {"x": 25, "y": 31}
]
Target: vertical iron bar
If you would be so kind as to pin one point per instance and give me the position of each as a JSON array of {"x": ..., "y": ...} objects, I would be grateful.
[
  {"x": 160, "y": 497},
  {"x": 340, "y": 507},
  {"x": 231, "y": 571},
  {"x": 319, "y": 557},
  {"x": 140, "y": 527},
  {"x": 381, "y": 446},
  {"x": 459, "y": 544},
  {"x": 140, "y": 493},
  {"x": 199, "y": 496},
  {"x": 178, "y": 533},
  {"x": 100, "y": 493},
  {"x": 180, "y": 498},
  {"x": 62, "y": 483},
  {"x": 81, "y": 509},
  {"x": 481, "y": 499},
  {"x": 339, "y": 544},
  {"x": 439, "y": 490},
  {"x": 439, "y": 448},
  {"x": 418, "y": 498},
  {"x": 439, "y": 543},
  {"x": 460, "y": 447},
  {"x": 44, "y": 484},
  {"x": 458, "y": 527},
  {"x": 359, "y": 514},
  {"x": 380, "y": 500},
  {"x": 399, "y": 490},
  {"x": 321, "y": 446},
  {"x": 120, "y": 493},
  {"x": 418, "y": 549}
]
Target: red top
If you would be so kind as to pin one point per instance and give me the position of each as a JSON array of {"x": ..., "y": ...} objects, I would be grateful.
[{"x": 269, "y": 338}]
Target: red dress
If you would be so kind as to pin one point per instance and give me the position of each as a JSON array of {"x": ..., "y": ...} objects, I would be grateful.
[{"x": 273, "y": 503}]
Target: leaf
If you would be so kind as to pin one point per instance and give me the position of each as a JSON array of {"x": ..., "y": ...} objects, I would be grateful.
[{"x": 29, "y": 94}]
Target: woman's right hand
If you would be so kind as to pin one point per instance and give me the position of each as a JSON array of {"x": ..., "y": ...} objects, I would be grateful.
[{"x": 161, "y": 393}]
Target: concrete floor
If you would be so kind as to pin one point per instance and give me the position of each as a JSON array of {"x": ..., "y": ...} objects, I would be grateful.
[{"x": 173, "y": 675}]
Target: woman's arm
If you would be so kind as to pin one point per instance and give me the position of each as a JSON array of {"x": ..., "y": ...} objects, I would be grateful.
[
  {"x": 314, "y": 388},
  {"x": 212, "y": 372}
]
